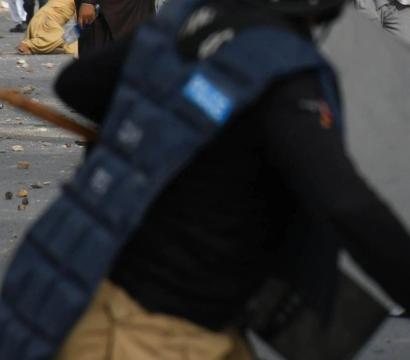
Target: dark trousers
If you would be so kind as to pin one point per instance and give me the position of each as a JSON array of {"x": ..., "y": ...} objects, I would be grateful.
[
  {"x": 95, "y": 36},
  {"x": 29, "y": 8}
]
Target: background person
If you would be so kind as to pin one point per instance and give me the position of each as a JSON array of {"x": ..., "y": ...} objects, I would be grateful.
[
  {"x": 18, "y": 15},
  {"x": 46, "y": 29},
  {"x": 115, "y": 18},
  {"x": 29, "y": 6}
]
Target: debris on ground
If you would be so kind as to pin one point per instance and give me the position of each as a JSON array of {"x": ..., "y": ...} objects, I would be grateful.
[
  {"x": 21, "y": 207},
  {"x": 22, "y": 193},
  {"x": 17, "y": 148},
  {"x": 66, "y": 146},
  {"x": 80, "y": 143},
  {"x": 22, "y": 63},
  {"x": 46, "y": 183},
  {"x": 27, "y": 90},
  {"x": 8, "y": 195},
  {"x": 25, "y": 201},
  {"x": 37, "y": 185},
  {"x": 23, "y": 165},
  {"x": 49, "y": 65}
]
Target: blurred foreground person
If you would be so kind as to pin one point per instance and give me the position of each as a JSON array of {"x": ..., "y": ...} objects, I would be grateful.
[
  {"x": 45, "y": 32},
  {"x": 18, "y": 15},
  {"x": 393, "y": 15},
  {"x": 220, "y": 164},
  {"x": 29, "y": 6},
  {"x": 106, "y": 20}
]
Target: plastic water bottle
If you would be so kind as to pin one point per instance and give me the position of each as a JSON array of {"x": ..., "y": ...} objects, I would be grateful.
[
  {"x": 72, "y": 33},
  {"x": 72, "y": 30}
]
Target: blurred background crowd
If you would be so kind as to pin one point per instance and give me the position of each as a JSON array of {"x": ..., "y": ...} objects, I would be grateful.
[{"x": 54, "y": 26}]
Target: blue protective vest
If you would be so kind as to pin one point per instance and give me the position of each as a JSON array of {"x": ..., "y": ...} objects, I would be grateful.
[{"x": 165, "y": 109}]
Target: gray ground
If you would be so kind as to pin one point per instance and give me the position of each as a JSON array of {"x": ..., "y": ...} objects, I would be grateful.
[
  {"x": 52, "y": 153},
  {"x": 376, "y": 76}
]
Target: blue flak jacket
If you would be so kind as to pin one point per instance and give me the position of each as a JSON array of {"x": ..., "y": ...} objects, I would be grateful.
[{"x": 166, "y": 109}]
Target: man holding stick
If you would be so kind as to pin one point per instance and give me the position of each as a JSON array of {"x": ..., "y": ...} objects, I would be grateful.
[{"x": 221, "y": 145}]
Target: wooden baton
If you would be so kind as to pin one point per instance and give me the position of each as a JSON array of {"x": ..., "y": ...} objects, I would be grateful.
[{"x": 46, "y": 113}]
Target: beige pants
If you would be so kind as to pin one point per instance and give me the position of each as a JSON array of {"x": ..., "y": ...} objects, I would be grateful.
[{"x": 116, "y": 328}]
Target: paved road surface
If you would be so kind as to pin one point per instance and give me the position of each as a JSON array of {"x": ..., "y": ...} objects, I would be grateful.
[{"x": 51, "y": 160}]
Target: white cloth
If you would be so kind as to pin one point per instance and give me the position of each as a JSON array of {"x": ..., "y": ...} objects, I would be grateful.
[
  {"x": 158, "y": 4},
  {"x": 17, "y": 12}
]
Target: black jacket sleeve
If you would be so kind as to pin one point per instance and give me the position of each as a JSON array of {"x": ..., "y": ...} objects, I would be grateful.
[
  {"x": 88, "y": 84},
  {"x": 312, "y": 160}
]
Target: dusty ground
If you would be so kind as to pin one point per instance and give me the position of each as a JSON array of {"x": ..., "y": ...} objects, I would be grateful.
[{"x": 52, "y": 154}]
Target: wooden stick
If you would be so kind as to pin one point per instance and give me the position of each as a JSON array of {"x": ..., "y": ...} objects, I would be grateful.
[{"x": 48, "y": 114}]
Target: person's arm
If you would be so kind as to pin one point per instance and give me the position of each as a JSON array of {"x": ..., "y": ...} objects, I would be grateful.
[
  {"x": 312, "y": 161},
  {"x": 88, "y": 84}
]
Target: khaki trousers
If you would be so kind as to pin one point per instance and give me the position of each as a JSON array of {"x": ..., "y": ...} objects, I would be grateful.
[{"x": 115, "y": 327}]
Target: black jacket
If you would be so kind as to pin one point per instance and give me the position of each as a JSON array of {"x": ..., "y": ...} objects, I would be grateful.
[{"x": 201, "y": 251}]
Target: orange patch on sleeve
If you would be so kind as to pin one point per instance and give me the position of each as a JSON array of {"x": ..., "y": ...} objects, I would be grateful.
[{"x": 326, "y": 117}]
